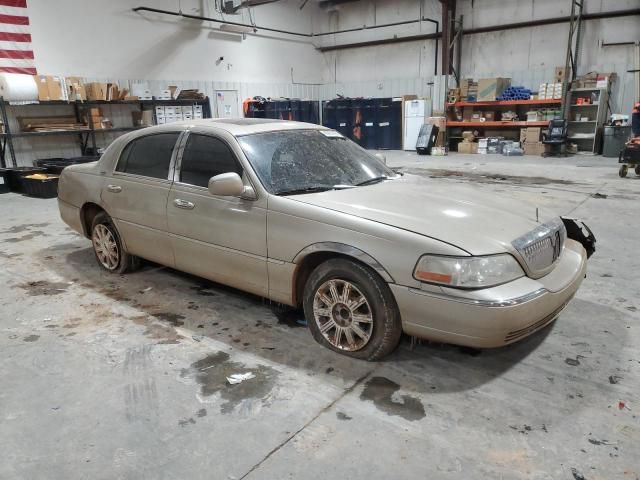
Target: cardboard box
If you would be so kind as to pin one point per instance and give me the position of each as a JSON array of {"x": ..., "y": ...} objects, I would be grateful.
[
  {"x": 198, "y": 109},
  {"x": 490, "y": 88},
  {"x": 95, "y": 111},
  {"x": 75, "y": 89},
  {"x": 489, "y": 116},
  {"x": 160, "y": 111},
  {"x": 439, "y": 122},
  {"x": 187, "y": 110},
  {"x": 97, "y": 91},
  {"x": 57, "y": 88},
  {"x": 161, "y": 120},
  {"x": 533, "y": 148},
  {"x": 532, "y": 134},
  {"x": 170, "y": 110},
  {"x": 165, "y": 95},
  {"x": 559, "y": 74},
  {"x": 51, "y": 88},
  {"x": 523, "y": 135},
  {"x": 197, "y": 115},
  {"x": 467, "y": 147},
  {"x": 43, "y": 88},
  {"x": 142, "y": 118}
]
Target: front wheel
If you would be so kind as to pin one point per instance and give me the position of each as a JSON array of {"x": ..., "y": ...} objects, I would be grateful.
[
  {"x": 350, "y": 310},
  {"x": 107, "y": 246}
]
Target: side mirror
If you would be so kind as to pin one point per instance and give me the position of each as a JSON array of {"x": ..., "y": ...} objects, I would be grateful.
[
  {"x": 226, "y": 185},
  {"x": 381, "y": 157}
]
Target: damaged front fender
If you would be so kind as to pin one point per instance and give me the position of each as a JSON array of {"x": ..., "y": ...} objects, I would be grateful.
[{"x": 577, "y": 230}]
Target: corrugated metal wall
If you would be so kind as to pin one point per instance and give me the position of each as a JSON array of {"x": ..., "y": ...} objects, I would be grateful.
[{"x": 28, "y": 150}]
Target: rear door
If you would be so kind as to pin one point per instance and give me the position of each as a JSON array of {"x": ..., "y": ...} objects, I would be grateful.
[
  {"x": 136, "y": 195},
  {"x": 220, "y": 238}
]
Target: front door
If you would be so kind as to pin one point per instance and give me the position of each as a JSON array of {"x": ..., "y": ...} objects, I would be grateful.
[
  {"x": 227, "y": 104},
  {"x": 136, "y": 194},
  {"x": 220, "y": 238}
]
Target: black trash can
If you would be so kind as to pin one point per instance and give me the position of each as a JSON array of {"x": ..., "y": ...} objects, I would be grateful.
[
  {"x": 271, "y": 109},
  {"x": 368, "y": 124},
  {"x": 294, "y": 108},
  {"x": 329, "y": 114},
  {"x": 384, "y": 119},
  {"x": 344, "y": 123}
]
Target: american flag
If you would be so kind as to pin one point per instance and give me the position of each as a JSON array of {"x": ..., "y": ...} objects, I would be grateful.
[{"x": 16, "y": 54}]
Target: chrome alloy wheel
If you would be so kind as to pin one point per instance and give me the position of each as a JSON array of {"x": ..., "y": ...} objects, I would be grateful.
[
  {"x": 343, "y": 315},
  {"x": 106, "y": 247}
]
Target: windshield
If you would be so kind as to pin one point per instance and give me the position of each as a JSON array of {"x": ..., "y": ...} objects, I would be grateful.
[{"x": 299, "y": 161}]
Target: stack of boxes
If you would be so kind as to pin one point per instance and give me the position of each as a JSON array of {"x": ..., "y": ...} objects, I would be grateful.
[
  {"x": 489, "y": 89},
  {"x": 177, "y": 113},
  {"x": 530, "y": 140},
  {"x": 467, "y": 145},
  {"x": 469, "y": 90},
  {"x": 548, "y": 91},
  {"x": 96, "y": 119}
]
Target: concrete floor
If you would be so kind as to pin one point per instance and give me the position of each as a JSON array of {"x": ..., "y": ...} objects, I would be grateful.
[{"x": 124, "y": 376}]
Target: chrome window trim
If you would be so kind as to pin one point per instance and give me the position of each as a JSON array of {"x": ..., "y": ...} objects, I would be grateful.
[
  {"x": 198, "y": 188},
  {"x": 509, "y": 302},
  {"x": 170, "y": 173}
]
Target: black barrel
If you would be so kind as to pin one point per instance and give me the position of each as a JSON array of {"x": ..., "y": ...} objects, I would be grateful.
[
  {"x": 329, "y": 114},
  {"x": 294, "y": 106},
  {"x": 357, "y": 134},
  {"x": 271, "y": 109},
  {"x": 344, "y": 117},
  {"x": 368, "y": 124},
  {"x": 283, "y": 108},
  {"x": 396, "y": 124},
  {"x": 384, "y": 119}
]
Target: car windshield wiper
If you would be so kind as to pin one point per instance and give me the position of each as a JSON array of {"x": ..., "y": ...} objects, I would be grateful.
[
  {"x": 300, "y": 191},
  {"x": 373, "y": 180}
]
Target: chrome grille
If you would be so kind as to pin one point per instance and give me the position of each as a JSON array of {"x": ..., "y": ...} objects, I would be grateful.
[{"x": 542, "y": 247}]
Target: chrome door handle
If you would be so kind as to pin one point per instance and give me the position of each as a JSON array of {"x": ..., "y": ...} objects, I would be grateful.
[
  {"x": 114, "y": 188},
  {"x": 183, "y": 204}
]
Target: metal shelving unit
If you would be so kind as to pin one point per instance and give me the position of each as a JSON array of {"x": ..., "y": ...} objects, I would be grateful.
[
  {"x": 87, "y": 135},
  {"x": 587, "y": 134}
]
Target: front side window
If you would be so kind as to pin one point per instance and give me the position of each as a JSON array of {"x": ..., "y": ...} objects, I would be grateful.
[
  {"x": 205, "y": 157},
  {"x": 148, "y": 156},
  {"x": 295, "y": 161}
]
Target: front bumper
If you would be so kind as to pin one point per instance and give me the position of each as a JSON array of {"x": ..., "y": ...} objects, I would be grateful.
[{"x": 495, "y": 316}]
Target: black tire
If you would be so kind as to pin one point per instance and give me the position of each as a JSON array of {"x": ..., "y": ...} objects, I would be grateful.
[
  {"x": 125, "y": 262},
  {"x": 623, "y": 171},
  {"x": 386, "y": 328}
]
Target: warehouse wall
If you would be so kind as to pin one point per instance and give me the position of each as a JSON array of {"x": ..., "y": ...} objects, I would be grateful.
[
  {"x": 528, "y": 55},
  {"x": 107, "y": 39}
]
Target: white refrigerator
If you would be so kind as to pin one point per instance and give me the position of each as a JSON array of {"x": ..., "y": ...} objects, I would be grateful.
[{"x": 414, "y": 116}]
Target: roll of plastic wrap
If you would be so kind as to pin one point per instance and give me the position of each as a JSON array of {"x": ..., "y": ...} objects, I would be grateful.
[{"x": 15, "y": 87}]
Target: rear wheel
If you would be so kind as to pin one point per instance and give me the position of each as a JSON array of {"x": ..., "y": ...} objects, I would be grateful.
[
  {"x": 107, "y": 246},
  {"x": 351, "y": 310},
  {"x": 623, "y": 171}
]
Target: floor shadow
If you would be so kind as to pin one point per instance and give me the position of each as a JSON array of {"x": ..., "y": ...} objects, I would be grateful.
[{"x": 167, "y": 299}]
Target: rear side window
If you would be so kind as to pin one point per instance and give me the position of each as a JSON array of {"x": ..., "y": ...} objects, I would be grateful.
[
  {"x": 148, "y": 156},
  {"x": 205, "y": 157}
]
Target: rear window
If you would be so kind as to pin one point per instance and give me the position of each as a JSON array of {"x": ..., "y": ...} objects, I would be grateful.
[{"x": 148, "y": 156}]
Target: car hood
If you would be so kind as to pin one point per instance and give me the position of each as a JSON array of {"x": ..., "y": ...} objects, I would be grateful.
[{"x": 478, "y": 222}]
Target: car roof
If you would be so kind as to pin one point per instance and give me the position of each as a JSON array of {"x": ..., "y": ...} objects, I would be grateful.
[{"x": 241, "y": 126}]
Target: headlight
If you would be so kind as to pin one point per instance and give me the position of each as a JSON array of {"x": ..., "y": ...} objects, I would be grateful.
[{"x": 467, "y": 272}]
